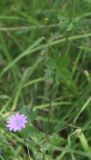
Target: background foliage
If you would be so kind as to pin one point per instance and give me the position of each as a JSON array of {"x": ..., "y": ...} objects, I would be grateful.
[{"x": 45, "y": 72}]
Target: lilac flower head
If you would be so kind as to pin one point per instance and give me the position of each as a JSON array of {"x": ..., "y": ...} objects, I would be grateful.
[{"x": 17, "y": 122}]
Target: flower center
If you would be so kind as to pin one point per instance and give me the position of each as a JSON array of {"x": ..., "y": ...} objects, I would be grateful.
[{"x": 18, "y": 123}]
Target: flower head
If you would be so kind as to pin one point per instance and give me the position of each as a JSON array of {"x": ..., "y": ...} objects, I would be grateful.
[{"x": 17, "y": 122}]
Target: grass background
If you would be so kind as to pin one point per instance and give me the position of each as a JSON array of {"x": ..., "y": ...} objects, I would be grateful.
[{"x": 45, "y": 70}]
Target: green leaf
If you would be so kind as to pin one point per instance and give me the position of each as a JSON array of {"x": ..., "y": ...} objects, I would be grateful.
[
  {"x": 53, "y": 142},
  {"x": 31, "y": 114}
]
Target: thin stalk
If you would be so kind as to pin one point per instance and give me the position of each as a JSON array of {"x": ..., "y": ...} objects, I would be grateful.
[
  {"x": 52, "y": 88},
  {"x": 50, "y": 103}
]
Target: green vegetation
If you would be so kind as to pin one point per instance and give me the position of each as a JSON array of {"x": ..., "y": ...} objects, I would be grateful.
[{"x": 45, "y": 73}]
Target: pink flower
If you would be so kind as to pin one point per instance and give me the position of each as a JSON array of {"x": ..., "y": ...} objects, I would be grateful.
[{"x": 17, "y": 122}]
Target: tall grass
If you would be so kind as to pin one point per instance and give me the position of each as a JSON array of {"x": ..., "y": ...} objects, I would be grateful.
[{"x": 45, "y": 64}]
